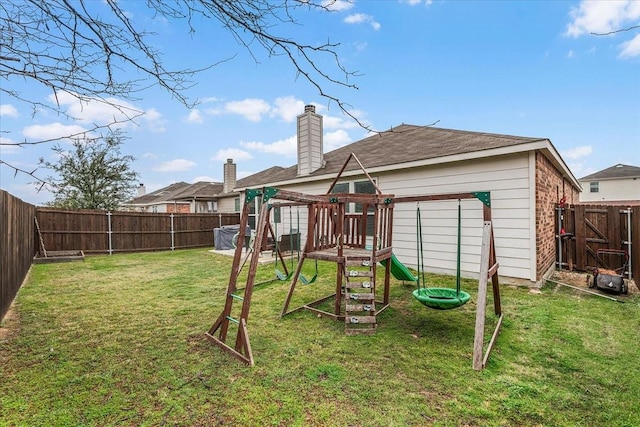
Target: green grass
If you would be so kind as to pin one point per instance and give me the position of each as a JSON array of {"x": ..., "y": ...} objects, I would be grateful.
[{"x": 118, "y": 340}]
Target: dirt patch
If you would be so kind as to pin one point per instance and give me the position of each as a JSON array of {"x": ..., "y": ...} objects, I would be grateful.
[
  {"x": 582, "y": 280},
  {"x": 10, "y": 324}
]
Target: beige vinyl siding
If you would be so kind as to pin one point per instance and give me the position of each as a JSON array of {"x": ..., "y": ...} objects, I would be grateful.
[
  {"x": 611, "y": 189},
  {"x": 506, "y": 177},
  {"x": 227, "y": 205}
]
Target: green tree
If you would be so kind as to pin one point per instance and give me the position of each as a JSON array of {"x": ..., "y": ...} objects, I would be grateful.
[{"x": 93, "y": 175}]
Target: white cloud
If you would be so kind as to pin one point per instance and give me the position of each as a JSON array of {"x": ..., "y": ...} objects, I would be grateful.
[
  {"x": 630, "y": 48},
  {"x": 208, "y": 99},
  {"x": 577, "y": 153},
  {"x": 571, "y": 54},
  {"x": 52, "y": 131},
  {"x": 362, "y": 18},
  {"x": 176, "y": 165},
  {"x": 284, "y": 147},
  {"x": 337, "y": 139},
  {"x": 334, "y": 122},
  {"x": 8, "y": 110},
  {"x": 149, "y": 155},
  {"x": 104, "y": 111},
  {"x": 154, "y": 120},
  {"x": 232, "y": 153},
  {"x": 251, "y": 108},
  {"x": 288, "y": 108},
  {"x": 194, "y": 116},
  {"x": 337, "y": 5},
  {"x": 601, "y": 17}
]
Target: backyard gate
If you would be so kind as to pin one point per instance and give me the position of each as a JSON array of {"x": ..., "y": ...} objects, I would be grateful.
[{"x": 582, "y": 230}]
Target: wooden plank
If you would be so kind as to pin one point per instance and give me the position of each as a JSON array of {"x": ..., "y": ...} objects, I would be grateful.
[
  {"x": 613, "y": 227},
  {"x": 580, "y": 237},
  {"x": 359, "y": 273},
  {"x": 478, "y": 342},
  {"x": 359, "y": 285},
  {"x": 362, "y": 296},
  {"x": 359, "y": 307},
  {"x": 360, "y": 319},
  {"x": 635, "y": 245}
]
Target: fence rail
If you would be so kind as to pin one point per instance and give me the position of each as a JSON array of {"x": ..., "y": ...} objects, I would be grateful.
[
  {"x": 96, "y": 232},
  {"x": 17, "y": 246}
]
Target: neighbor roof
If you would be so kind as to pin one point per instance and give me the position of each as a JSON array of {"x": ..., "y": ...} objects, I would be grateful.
[
  {"x": 180, "y": 191},
  {"x": 403, "y": 144},
  {"x": 613, "y": 172},
  {"x": 161, "y": 195},
  {"x": 199, "y": 190}
]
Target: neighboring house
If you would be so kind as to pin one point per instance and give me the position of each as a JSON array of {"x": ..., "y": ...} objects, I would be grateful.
[
  {"x": 526, "y": 178},
  {"x": 619, "y": 183},
  {"x": 180, "y": 197}
]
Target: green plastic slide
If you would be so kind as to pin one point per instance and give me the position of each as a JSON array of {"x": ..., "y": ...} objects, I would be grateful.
[{"x": 399, "y": 270}]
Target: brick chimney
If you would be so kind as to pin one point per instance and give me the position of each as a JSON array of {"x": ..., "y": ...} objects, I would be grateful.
[
  {"x": 310, "y": 153},
  {"x": 142, "y": 190},
  {"x": 229, "y": 171}
]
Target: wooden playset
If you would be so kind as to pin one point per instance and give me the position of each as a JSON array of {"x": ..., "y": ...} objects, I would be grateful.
[{"x": 333, "y": 234}]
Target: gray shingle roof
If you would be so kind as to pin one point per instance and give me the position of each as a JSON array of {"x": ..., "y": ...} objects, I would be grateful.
[
  {"x": 180, "y": 191},
  {"x": 402, "y": 144},
  {"x": 161, "y": 195},
  {"x": 615, "y": 171},
  {"x": 200, "y": 190}
]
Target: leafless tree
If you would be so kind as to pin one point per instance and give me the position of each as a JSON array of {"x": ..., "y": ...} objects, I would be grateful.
[{"x": 73, "y": 46}]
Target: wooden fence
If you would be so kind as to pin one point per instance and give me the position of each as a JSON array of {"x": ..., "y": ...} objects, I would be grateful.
[
  {"x": 96, "y": 232},
  {"x": 16, "y": 246},
  {"x": 595, "y": 227}
]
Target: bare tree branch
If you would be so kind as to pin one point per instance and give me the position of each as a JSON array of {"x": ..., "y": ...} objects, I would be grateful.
[
  {"x": 635, "y": 27},
  {"x": 92, "y": 49}
]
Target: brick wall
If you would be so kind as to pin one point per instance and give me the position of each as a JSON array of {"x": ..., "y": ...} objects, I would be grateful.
[{"x": 550, "y": 188}]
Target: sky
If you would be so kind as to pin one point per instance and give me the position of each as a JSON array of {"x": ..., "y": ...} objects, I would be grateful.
[{"x": 527, "y": 68}]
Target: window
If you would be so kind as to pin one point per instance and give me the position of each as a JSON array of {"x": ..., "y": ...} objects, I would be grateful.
[
  {"x": 594, "y": 187},
  {"x": 276, "y": 214},
  {"x": 237, "y": 204},
  {"x": 366, "y": 187},
  {"x": 341, "y": 187}
]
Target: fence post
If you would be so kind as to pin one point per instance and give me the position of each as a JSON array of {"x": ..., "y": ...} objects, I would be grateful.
[
  {"x": 172, "y": 233},
  {"x": 109, "y": 232}
]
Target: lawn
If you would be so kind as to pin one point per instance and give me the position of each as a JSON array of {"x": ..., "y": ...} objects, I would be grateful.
[{"x": 118, "y": 340}]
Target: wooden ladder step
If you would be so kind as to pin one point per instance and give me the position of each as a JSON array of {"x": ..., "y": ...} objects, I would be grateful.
[
  {"x": 359, "y": 273},
  {"x": 359, "y": 307},
  {"x": 355, "y": 262},
  {"x": 360, "y": 319},
  {"x": 360, "y": 296},
  {"x": 359, "y": 285}
]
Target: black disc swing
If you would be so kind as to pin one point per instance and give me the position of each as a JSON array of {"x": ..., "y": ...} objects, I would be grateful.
[{"x": 438, "y": 298}]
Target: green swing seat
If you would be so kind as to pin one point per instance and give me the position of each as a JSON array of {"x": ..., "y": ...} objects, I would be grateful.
[{"x": 441, "y": 298}]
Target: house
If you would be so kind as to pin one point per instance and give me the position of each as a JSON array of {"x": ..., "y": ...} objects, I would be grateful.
[
  {"x": 181, "y": 197},
  {"x": 618, "y": 183},
  {"x": 526, "y": 177}
]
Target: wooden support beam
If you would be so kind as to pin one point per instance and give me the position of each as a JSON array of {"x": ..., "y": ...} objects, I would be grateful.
[{"x": 487, "y": 263}]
